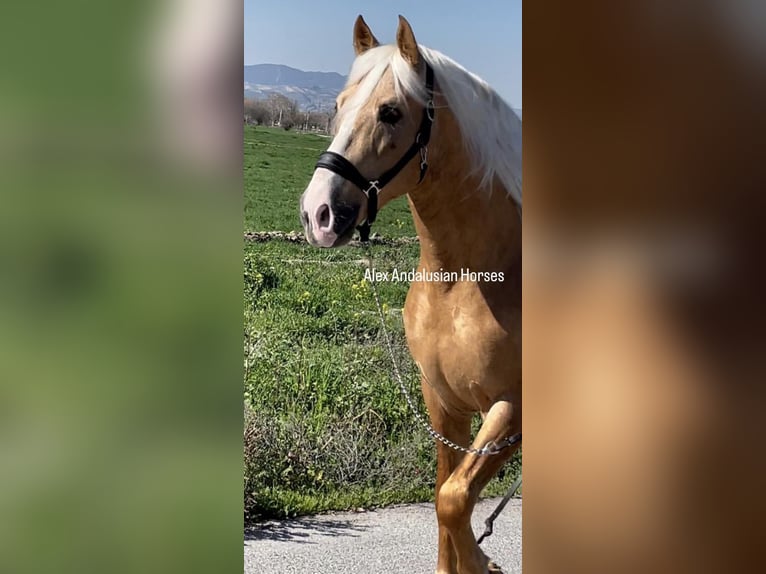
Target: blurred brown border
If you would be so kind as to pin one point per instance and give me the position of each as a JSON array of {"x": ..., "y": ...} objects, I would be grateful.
[{"x": 644, "y": 178}]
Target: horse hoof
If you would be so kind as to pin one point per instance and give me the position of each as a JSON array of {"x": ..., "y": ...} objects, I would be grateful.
[{"x": 493, "y": 568}]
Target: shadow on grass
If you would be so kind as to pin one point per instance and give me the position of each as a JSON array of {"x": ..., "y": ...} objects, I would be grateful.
[{"x": 305, "y": 530}]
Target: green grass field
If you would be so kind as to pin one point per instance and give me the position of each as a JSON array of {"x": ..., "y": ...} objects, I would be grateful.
[{"x": 326, "y": 425}]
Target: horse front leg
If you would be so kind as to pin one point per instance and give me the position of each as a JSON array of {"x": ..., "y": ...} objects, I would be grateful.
[
  {"x": 461, "y": 490},
  {"x": 458, "y": 430}
]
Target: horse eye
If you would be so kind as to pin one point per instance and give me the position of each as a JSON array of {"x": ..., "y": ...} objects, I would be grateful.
[{"x": 389, "y": 114}]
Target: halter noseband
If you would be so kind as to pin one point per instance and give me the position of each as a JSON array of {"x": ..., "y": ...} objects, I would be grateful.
[{"x": 338, "y": 164}]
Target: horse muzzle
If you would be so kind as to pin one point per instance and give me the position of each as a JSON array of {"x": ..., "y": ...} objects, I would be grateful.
[{"x": 328, "y": 223}]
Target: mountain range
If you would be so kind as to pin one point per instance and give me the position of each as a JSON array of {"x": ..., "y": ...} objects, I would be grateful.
[{"x": 314, "y": 91}]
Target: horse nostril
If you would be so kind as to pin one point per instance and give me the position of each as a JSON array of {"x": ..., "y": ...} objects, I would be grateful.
[{"x": 323, "y": 216}]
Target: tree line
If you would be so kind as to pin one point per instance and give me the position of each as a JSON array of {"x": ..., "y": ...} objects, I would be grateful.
[{"x": 279, "y": 110}]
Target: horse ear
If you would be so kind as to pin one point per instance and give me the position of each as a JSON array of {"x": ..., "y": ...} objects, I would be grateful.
[
  {"x": 363, "y": 37},
  {"x": 405, "y": 41}
]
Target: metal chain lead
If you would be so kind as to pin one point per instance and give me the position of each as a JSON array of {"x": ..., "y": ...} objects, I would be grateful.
[{"x": 487, "y": 450}]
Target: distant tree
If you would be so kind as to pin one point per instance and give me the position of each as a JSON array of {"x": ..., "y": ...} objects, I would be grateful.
[
  {"x": 257, "y": 112},
  {"x": 279, "y": 110},
  {"x": 284, "y": 111},
  {"x": 316, "y": 121},
  {"x": 248, "y": 111},
  {"x": 261, "y": 113}
]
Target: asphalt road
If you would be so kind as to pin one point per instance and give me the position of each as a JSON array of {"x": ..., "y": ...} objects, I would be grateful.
[{"x": 394, "y": 540}]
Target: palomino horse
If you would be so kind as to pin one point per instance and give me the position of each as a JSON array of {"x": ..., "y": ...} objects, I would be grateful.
[{"x": 442, "y": 136}]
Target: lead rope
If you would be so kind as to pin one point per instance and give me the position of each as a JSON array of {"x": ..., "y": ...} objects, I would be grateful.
[
  {"x": 490, "y": 521},
  {"x": 490, "y": 448}
]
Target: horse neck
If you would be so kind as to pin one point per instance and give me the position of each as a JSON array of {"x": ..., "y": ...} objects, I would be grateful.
[{"x": 461, "y": 226}]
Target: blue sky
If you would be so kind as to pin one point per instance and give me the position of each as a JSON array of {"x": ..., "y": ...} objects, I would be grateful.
[{"x": 316, "y": 35}]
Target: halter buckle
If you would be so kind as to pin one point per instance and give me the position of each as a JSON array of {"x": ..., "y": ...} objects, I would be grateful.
[
  {"x": 430, "y": 109},
  {"x": 373, "y": 185}
]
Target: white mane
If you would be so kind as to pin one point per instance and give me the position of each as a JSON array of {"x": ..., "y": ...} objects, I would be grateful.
[{"x": 491, "y": 130}]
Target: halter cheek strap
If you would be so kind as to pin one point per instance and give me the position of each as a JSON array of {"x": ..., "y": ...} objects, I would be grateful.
[{"x": 338, "y": 164}]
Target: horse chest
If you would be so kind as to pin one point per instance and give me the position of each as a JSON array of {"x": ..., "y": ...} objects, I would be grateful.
[{"x": 458, "y": 343}]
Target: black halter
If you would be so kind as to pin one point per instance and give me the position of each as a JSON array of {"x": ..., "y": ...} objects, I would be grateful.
[{"x": 371, "y": 187}]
